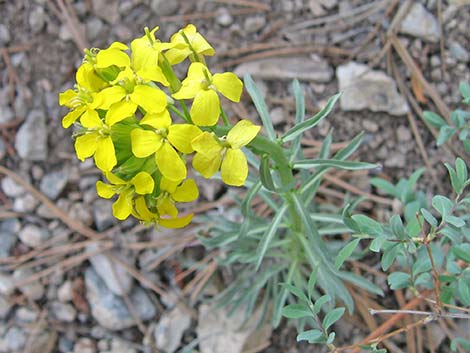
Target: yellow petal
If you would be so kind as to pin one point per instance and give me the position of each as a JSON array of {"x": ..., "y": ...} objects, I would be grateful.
[
  {"x": 191, "y": 85},
  {"x": 170, "y": 163},
  {"x": 105, "y": 191},
  {"x": 71, "y": 117},
  {"x": 179, "y": 222},
  {"x": 110, "y": 95},
  {"x": 229, "y": 85},
  {"x": 65, "y": 97},
  {"x": 205, "y": 110},
  {"x": 90, "y": 119},
  {"x": 201, "y": 46},
  {"x": 186, "y": 192},
  {"x": 86, "y": 77},
  {"x": 85, "y": 145},
  {"x": 181, "y": 135},
  {"x": 143, "y": 183},
  {"x": 168, "y": 185},
  {"x": 234, "y": 169},
  {"x": 112, "y": 56},
  {"x": 120, "y": 111},
  {"x": 206, "y": 144},
  {"x": 152, "y": 99},
  {"x": 242, "y": 133},
  {"x": 118, "y": 45},
  {"x": 142, "y": 211},
  {"x": 153, "y": 73},
  {"x": 206, "y": 166},
  {"x": 177, "y": 55},
  {"x": 160, "y": 120},
  {"x": 105, "y": 156},
  {"x": 122, "y": 208},
  {"x": 114, "y": 179},
  {"x": 144, "y": 142},
  {"x": 166, "y": 207}
]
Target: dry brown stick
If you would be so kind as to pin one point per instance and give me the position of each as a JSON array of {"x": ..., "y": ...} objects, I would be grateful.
[
  {"x": 252, "y": 4},
  {"x": 251, "y": 48},
  {"x": 328, "y": 51},
  {"x": 450, "y": 334},
  {"x": 441, "y": 39},
  {"x": 210, "y": 269},
  {"x": 410, "y": 339},
  {"x": 357, "y": 191},
  {"x": 176, "y": 248},
  {"x": 411, "y": 65},
  {"x": 64, "y": 217},
  {"x": 12, "y": 76},
  {"x": 36, "y": 330},
  {"x": 204, "y": 15}
]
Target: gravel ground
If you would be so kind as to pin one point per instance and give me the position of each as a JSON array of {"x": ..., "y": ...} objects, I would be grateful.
[{"x": 87, "y": 300}]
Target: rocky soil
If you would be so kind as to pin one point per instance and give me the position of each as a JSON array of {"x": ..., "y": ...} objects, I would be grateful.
[{"x": 72, "y": 278}]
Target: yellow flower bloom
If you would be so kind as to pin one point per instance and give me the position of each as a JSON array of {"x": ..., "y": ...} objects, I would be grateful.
[
  {"x": 113, "y": 55},
  {"x": 141, "y": 184},
  {"x": 163, "y": 140},
  {"x": 96, "y": 140},
  {"x": 187, "y": 42},
  {"x": 87, "y": 78},
  {"x": 225, "y": 154},
  {"x": 171, "y": 192},
  {"x": 203, "y": 87},
  {"x": 143, "y": 213},
  {"x": 146, "y": 51}
]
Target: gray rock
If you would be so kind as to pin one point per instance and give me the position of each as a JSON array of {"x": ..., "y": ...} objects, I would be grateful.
[
  {"x": 11, "y": 188},
  {"x": 7, "y": 284},
  {"x": 170, "y": 329},
  {"x": 15, "y": 338},
  {"x": 107, "y": 10},
  {"x": 403, "y": 134},
  {"x": 25, "y": 204},
  {"x": 110, "y": 310},
  {"x": 84, "y": 345},
  {"x": 24, "y": 314},
  {"x": 33, "y": 290},
  {"x": 164, "y": 7},
  {"x": 459, "y": 52},
  {"x": 63, "y": 312},
  {"x": 395, "y": 160},
  {"x": 217, "y": 331},
  {"x": 103, "y": 214},
  {"x": 367, "y": 89},
  {"x": 302, "y": 68},
  {"x": 116, "y": 278},
  {"x": 5, "y": 307},
  {"x": 53, "y": 183},
  {"x": 120, "y": 346},
  {"x": 254, "y": 24},
  {"x": 419, "y": 22},
  {"x": 224, "y": 18},
  {"x": 93, "y": 28},
  {"x": 4, "y": 35},
  {"x": 3, "y": 149},
  {"x": 37, "y": 19},
  {"x": 65, "y": 292},
  {"x": 33, "y": 236},
  {"x": 31, "y": 139},
  {"x": 6, "y": 114}
]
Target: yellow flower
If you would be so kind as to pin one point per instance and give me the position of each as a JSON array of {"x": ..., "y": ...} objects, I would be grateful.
[
  {"x": 122, "y": 100},
  {"x": 171, "y": 192},
  {"x": 163, "y": 140},
  {"x": 187, "y": 42},
  {"x": 143, "y": 213},
  {"x": 81, "y": 102},
  {"x": 141, "y": 184},
  {"x": 203, "y": 87},
  {"x": 96, "y": 140},
  {"x": 146, "y": 51},
  {"x": 87, "y": 77},
  {"x": 113, "y": 55},
  {"x": 214, "y": 153}
]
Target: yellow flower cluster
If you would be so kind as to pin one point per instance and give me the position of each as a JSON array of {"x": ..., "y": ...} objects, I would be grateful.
[{"x": 121, "y": 107}]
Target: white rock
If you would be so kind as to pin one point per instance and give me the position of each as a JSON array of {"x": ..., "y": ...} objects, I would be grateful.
[
  {"x": 31, "y": 138},
  {"x": 25, "y": 314},
  {"x": 33, "y": 290},
  {"x": 11, "y": 188},
  {"x": 84, "y": 345},
  {"x": 5, "y": 307},
  {"x": 63, "y": 312},
  {"x": 65, "y": 292},
  {"x": 7, "y": 284},
  {"x": 25, "y": 204},
  {"x": 224, "y": 18},
  {"x": 120, "y": 346},
  {"x": 170, "y": 329},
  {"x": 164, "y": 7},
  {"x": 302, "y": 68},
  {"x": 367, "y": 89},
  {"x": 117, "y": 279},
  {"x": 107, "y": 10},
  {"x": 33, "y": 236},
  {"x": 419, "y": 22},
  {"x": 15, "y": 338}
]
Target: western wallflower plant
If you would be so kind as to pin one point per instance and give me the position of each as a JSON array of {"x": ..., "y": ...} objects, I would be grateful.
[{"x": 124, "y": 106}]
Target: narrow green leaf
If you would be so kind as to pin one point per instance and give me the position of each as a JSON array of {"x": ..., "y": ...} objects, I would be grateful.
[
  {"x": 455, "y": 221},
  {"x": 462, "y": 342},
  {"x": 296, "y": 311},
  {"x": 445, "y": 133},
  {"x": 398, "y": 280},
  {"x": 331, "y": 338},
  {"x": 348, "y": 165},
  {"x": 385, "y": 186},
  {"x": 377, "y": 243},
  {"x": 429, "y": 217},
  {"x": 434, "y": 119},
  {"x": 461, "y": 169},
  {"x": 311, "y": 336},
  {"x": 320, "y": 302},
  {"x": 299, "y": 102},
  {"x": 298, "y": 129},
  {"x": 297, "y": 292},
  {"x": 345, "y": 252},
  {"x": 312, "y": 280},
  {"x": 367, "y": 225},
  {"x": 463, "y": 286},
  {"x": 464, "y": 89},
  {"x": 462, "y": 251},
  {"x": 260, "y": 105},
  {"x": 442, "y": 205},
  {"x": 252, "y": 192},
  {"x": 455, "y": 181},
  {"x": 361, "y": 282},
  {"x": 333, "y": 316},
  {"x": 265, "y": 174},
  {"x": 269, "y": 235}
]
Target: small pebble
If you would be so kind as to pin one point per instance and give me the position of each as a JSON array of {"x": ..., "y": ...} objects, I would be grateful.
[{"x": 224, "y": 18}]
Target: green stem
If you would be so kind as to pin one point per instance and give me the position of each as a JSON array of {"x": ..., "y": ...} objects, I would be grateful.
[
  {"x": 224, "y": 116},
  {"x": 186, "y": 111},
  {"x": 178, "y": 112}
]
